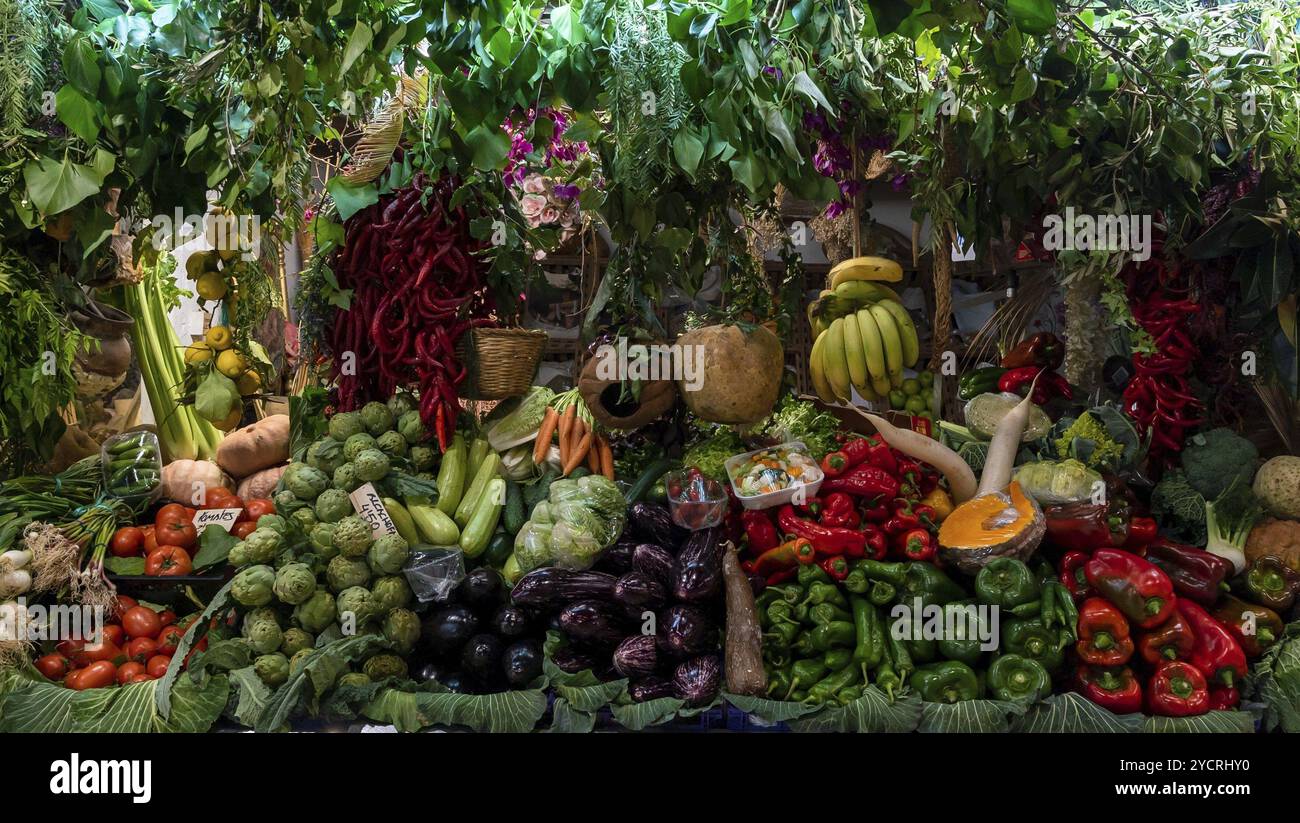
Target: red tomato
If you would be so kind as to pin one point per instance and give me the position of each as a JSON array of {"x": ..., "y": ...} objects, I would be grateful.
[
  {"x": 258, "y": 506},
  {"x": 168, "y": 561},
  {"x": 141, "y": 649},
  {"x": 167, "y": 616},
  {"x": 142, "y": 677},
  {"x": 123, "y": 603},
  {"x": 168, "y": 639},
  {"x": 150, "y": 539},
  {"x": 127, "y": 541},
  {"x": 115, "y": 634},
  {"x": 70, "y": 648},
  {"x": 220, "y": 497},
  {"x": 175, "y": 529},
  {"x": 73, "y": 678},
  {"x": 53, "y": 666},
  {"x": 97, "y": 675},
  {"x": 106, "y": 650},
  {"x": 127, "y": 671},
  {"x": 195, "y": 649},
  {"x": 157, "y": 666},
  {"x": 141, "y": 621},
  {"x": 243, "y": 528}
]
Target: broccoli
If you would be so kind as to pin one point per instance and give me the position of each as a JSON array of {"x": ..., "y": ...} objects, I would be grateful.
[
  {"x": 1213, "y": 460},
  {"x": 1179, "y": 507},
  {"x": 1087, "y": 440}
]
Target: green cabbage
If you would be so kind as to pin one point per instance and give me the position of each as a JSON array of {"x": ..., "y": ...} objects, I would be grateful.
[
  {"x": 1277, "y": 682},
  {"x": 521, "y": 425},
  {"x": 1052, "y": 483}
]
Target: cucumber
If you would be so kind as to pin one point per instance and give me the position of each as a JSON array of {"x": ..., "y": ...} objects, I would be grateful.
[
  {"x": 127, "y": 444},
  {"x": 514, "y": 516},
  {"x": 499, "y": 549},
  {"x": 649, "y": 476},
  {"x": 539, "y": 489}
]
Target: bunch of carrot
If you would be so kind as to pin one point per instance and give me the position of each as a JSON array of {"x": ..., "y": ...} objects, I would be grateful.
[{"x": 569, "y": 419}]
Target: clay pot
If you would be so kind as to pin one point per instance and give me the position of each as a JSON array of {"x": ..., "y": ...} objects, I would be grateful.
[
  {"x": 110, "y": 327},
  {"x": 601, "y": 396}
]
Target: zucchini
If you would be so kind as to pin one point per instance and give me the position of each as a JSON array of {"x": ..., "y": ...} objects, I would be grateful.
[
  {"x": 478, "y": 531},
  {"x": 451, "y": 476},
  {"x": 433, "y": 525},
  {"x": 478, "y": 451},
  {"x": 488, "y": 468},
  {"x": 402, "y": 520},
  {"x": 648, "y": 477},
  {"x": 514, "y": 516}
]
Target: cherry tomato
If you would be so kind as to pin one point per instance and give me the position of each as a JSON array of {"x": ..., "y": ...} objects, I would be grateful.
[
  {"x": 258, "y": 506},
  {"x": 174, "y": 527},
  {"x": 150, "y": 539},
  {"x": 168, "y": 561},
  {"x": 127, "y": 541},
  {"x": 123, "y": 603},
  {"x": 114, "y": 633},
  {"x": 53, "y": 666},
  {"x": 142, "y": 621},
  {"x": 157, "y": 666},
  {"x": 168, "y": 639},
  {"x": 141, "y": 649},
  {"x": 127, "y": 671},
  {"x": 243, "y": 528},
  {"x": 97, "y": 675}
]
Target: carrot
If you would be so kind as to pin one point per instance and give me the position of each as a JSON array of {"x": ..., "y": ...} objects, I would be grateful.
[
  {"x": 549, "y": 422},
  {"x": 579, "y": 454},
  {"x": 593, "y": 456},
  {"x": 606, "y": 459},
  {"x": 566, "y": 430}
]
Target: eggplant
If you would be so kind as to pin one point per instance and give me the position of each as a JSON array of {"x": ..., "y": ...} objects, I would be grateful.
[
  {"x": 686, "y": 631},
  {"x": 522, "y": 663},
  {"x": 636, "y": 656},
  {"x": 697, "y": 680},
  {"x": 429, "y": 671},
  {"x": 551, "y": 587},
  {"x": 697, "y": 574},
  {"x": 448, "y": 629},
  {"x": 571, "y": 659},
  {"x": 510, "y": 621},
  {"x": 635, "y": 589},
  {"x": 617, "y": 559},
  {"x": 481, "y": 656},
  {"x": 654, "y": 562},
  {"x": 654, "y": 524},
  {"x": 650, "y": 688},
  {"x": 757, "y": 583},
  {"x": 481, "y": 589},
  {"x": 455, "y": 682},
  {"x": 593, "y": 623}
]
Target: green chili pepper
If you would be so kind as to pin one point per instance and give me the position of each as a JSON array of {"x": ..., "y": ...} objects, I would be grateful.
[
  {"x": 825, "y": 593},
  {"x": 781, "y": 612},
  {"x": 782, "y": 634},
  {"x": 824, "y": 613},
  {"x": 832, "y": 635},
  {"x": 832, "y": 683},
  {"x": 902, "y": 659},
  {"x": 893, "y": 573},
  {"x": 882, "y": 593},
  {"x": 778, "y": 681},
  {"x": 866, "y": 653},
  {"x": 811, "y": 573},
  {"x": 846, "y": 696},
  {"x": 925, "y": 581},
  {"x": 836, "y": 659},
  {"x": 804, "y": 674}
]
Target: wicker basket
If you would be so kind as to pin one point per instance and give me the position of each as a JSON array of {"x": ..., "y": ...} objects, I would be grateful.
[{"x": 501, "y": 362}]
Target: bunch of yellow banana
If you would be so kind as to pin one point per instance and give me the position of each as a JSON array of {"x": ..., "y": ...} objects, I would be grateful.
[{"x": 863, "y": 338}]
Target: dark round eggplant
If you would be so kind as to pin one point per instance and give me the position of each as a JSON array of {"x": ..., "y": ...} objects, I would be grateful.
[
  {"x": 650, "y": 688},
  {"x": 636, "y": 589},
  {"x": 482, "y": 589},
  {"x": 429, "y": 671},
  {"x": 686, "y": 631},
  {"x": 697, "y": 680},
  {"x": 447, "y": 629},
  {"x": 481, "y": 656},
  {"x": 522, "y": 663},
  {"x": 593, "y": 623},
  {"x": 455, "y": 682},
  {"x": 636, "y": 656},
  {"x": 510, "y": 621},
  {"x": 617, "y": 559}
]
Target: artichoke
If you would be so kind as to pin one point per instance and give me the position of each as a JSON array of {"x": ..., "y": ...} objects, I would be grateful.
[
  {"x": 422, "y": 458},
  {"x": 345, "y": 478},
  {"x": 355, "y": 601},
  {"x": 346, "y": 572},
  {"x": 262, "y": 545},
  {"x": 377, "y": 417},
  {"x": 401, "y": 403},
  {"x": 259, "y": 615},
  {"x": 354, "y": 679},
  {"x": 388, "y": 554},
  {"x": 402, "y": 629},
  {"x": 390, "y": 592},
  {"x": 304, "y": 481},
  {"x": 272, "y": 668},
  {"x": 294, "y": 583},
  {"x": 265, "y": 637},
  {"x": 325, "y": 455},
  {"x": 411, "y": 427},
  {"x": 345, "y": 424},
  {"x": 322, "y": 540},
  {"x": 352, "y": 536},
  {"x": 316, "y": 613},
  {"x": 286, "y": 502},
  {"x": 305, "y": 518},
  {"x": 391, "y": 444},
  {"x": 382, "y": 666},
  {"x": 238, "y": 555},
  {"x": 296, "y": 640},
  {"x": 297, "y": 660},
  {"x": 332, "y": 506},
  {"x": 356, "y": 444},
  {"x": 371, "y": 466},
  {"x": 274, "y": 522},
  {"x": 253, "y": 585}
]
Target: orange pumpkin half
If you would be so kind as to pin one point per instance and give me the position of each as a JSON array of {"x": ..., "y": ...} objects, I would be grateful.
[{"x": 1000, "y": 524}]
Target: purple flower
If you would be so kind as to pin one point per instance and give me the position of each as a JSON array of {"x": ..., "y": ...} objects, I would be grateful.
[
  {"x": 773, "y": 72},
  {"x": 566, "y": 191},
  {"x": 899, "y": 182},
  {"x": 834, "y": 209}
]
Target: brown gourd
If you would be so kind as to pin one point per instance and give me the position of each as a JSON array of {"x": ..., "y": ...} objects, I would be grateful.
[
  {"x": 258, "y": 446},
  {"x": 744, "y": 644}
]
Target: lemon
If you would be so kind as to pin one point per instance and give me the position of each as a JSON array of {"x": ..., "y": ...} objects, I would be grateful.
[
  {"x": 249, "y": 382},
  {"x": 231, "y": 363},
  {"x": 199, "y": 262},
  {"x": 197, "y": 352},
  {"x": 218, "y": 338},
  {"x": 911, "y": 386},
  {"x": 211, "y": 286},
  {"x": 232, "y": 419}
]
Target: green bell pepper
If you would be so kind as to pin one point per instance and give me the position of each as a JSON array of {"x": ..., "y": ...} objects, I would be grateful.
[
  {"x": 1006, "y": 583},
  {"x": 950, "y": 681},
  {"x": 1013, "y": 677},
  {"x": 926, "y": 581},
  {"x": 962, "y": 629},
  {"x": 1029, "y": 637}
]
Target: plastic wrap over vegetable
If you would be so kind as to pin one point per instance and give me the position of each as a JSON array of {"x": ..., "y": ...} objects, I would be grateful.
[
  {"x": 1052, "y": 483},
  {"x": 572, "y": 548},
  {"x": 533, "y": 546}
]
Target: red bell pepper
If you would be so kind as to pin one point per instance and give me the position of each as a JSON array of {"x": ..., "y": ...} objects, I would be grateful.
[
  {"x": 864, "y": 481},
  {"x": 824, "y": 539},
  {"x": 877, "y": 513},
  {"x": 1172, "y": 640},
  {"x": 1072, "y": 576},
  {"x": 1085, "y": 526},
  {"x": 1217, "y": 653},
  {"x": 1140, "y": 590},
  {"x": 760, "y": 532},
  {"x": 1177, "y": 689},
  {"x": 877, "y": 544},
  {"x": 917, "y": 545},
  {"x": 785, "y": 556},
  {"x": 839, "y": 511},
  {"x": 1224, "y": 699},
  {"x": 1103, "y": 634},
  {"x": 858, "y": 449},
  {"x": 835, "y": 463},
  {"x": 1141, "y": 531},
  {"x": 836, "y": 566},
  {"x": 902, "y": 518},
  {"x": 1043, "y": 349},
  {"x": 882, "y": 457},
  {"x": 1111, "y": 688},
  {"x": 1195, "y": 573}
]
